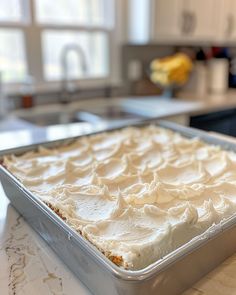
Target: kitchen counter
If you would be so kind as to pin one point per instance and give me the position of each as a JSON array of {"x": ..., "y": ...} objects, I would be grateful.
[
  {"x": 178, "y": 110},
  {"x": 209, "y": 102},
  {"x": 28, "y": 136},
  {"x": 28, "y": 265},
  {"x": 144, "y": 105},
  {"x": 11, "y": 123}
]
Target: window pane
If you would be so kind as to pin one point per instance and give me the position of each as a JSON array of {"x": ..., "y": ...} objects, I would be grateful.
[
  {"x": 10, "y": 10},
  {"x": 100, "y": 58},
  {"x": 12, "y": 55},
  {"x": 97, "y": 12},
  {"x": 70, "y": 12},
  {"x": 94, "y": 46}
]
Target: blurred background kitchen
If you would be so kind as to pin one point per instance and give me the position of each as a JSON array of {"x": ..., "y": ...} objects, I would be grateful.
[{"x": 69, "y": 66}]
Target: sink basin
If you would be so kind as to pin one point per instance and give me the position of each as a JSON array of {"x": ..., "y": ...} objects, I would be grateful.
[
  {"x": 55, "y": 118},
  {"x": 113, "y": 113},
  {"x": 90, "y": 111}
]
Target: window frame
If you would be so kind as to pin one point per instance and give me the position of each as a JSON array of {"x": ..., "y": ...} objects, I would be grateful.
[{"x": 32, "y": 34}]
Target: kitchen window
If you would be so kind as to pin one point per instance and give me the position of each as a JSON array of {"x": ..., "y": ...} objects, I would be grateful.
[{"x": 33, "y": 34}]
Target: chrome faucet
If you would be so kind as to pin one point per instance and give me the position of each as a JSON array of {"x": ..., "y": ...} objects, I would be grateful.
[{"x": 66, "y": 87}]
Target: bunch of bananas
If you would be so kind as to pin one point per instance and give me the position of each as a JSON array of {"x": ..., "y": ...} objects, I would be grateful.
[{"x": 171, "y": 70}]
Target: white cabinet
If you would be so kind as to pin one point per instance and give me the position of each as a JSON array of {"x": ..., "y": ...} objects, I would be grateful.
[
  {"x": 203, "y": 18},
  {"x": 231, "y": 21},
  {"x": 227, "y": 21},
  {"x": 185, "y": 20},
  {"x": 167, "y": 16}
]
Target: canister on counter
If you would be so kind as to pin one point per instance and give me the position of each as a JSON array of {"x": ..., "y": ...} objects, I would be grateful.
[{"x": 218, "y": 75}]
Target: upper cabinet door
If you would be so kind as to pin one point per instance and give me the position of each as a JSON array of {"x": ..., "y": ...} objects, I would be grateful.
[
  {"x": 228, "y": 20},
  {"x": 188, "y": 21},
  {"x": 225, "y": 14},
  {"x": 166, "y": 19},
  {"x": 185, "y": 21},
  {"x": 203, "y": 18}
]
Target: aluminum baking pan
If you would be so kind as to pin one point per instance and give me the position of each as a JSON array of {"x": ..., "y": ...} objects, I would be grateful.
[{"x": 170, "y": 275}]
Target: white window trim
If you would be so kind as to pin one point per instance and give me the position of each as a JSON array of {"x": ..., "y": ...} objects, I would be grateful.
[{"x": 32, "y": 35}]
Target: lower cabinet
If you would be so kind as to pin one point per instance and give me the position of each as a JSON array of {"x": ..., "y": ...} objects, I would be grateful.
[{"x": 222, "y": 122}]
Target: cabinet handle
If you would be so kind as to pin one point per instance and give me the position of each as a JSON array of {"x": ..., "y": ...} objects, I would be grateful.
[
  {"x": 230, "y": 25},
  {"x": 193, "y": 22},
  {"x": 185, "y": 22}
]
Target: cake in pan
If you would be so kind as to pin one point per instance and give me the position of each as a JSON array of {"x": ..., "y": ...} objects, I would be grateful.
[{"x": 136, "y": 193}]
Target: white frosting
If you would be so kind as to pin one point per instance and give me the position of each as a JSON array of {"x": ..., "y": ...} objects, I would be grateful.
[{"x": 137, "y": 193}]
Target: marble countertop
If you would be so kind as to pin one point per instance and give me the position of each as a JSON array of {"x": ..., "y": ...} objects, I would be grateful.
[
  {"x": 209, "y": 102},
  {"x": 27, "y": 265},
  {"x": 27, "y": 136}
]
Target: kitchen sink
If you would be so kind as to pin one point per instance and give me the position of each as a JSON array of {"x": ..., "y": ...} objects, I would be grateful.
[
  {"x": 57, "y": 118},
  {"x": 109, "y": 111},
  {"x": 114, "y": 112},
  {"x": 90, "y": 111}
]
